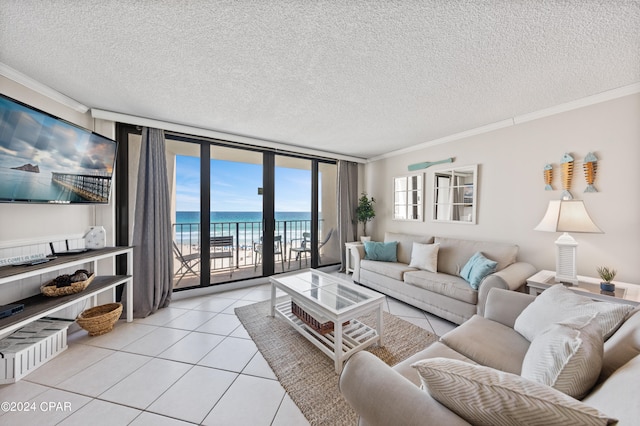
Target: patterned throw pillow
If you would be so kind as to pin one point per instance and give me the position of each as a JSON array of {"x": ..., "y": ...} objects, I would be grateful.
[
  {"x": 567, "y": 356},
  {"x": 558, "y": 303},
  {"x": 425, "y": 256},
  {"x": 485, "y": 396}
]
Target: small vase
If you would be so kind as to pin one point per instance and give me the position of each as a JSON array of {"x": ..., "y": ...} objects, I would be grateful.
[
  {"x": 96, "y": 238},
  {"x": 609, "y": 287}
]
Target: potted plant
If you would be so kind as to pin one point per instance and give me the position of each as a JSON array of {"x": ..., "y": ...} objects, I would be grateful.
[
  {"x": 607, "y": 275},
  {"x": 365, "y": 212}
]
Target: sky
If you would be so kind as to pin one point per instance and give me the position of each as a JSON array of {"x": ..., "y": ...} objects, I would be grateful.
[
  {"x": 28, "y": 136},
  {"x": 234, "y": 186}
]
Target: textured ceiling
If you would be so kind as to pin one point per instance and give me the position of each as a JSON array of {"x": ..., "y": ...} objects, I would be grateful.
[{"x": 359, "y": 78}]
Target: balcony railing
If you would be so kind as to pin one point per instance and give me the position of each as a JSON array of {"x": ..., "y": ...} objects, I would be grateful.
[{"x": 246, "y": 235}]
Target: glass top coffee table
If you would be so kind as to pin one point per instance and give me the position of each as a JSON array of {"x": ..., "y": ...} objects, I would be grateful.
[{"x": 324, "y": 308}]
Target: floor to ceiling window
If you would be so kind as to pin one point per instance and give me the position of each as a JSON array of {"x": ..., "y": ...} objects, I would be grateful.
[
  {"x": 235, "y": 184},
  {"x": 238, "y": 212},
  {"x": 292, "y": 200},
  {"x": 328, "y": 245}
]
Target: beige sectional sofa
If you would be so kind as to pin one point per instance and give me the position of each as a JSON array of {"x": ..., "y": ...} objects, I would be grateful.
[
  {"x": 383, "y": 395},
  {"x": 443, "y": 293}
]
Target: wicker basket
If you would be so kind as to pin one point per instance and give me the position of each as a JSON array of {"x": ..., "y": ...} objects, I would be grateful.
[
  {"x": 49, "y": 289},
  {"x": 322, "y": 328},
  {"x": 100, "y": 319}
]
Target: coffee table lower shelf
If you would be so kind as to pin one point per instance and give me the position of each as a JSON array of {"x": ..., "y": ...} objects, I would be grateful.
[{"x": 355, "y": 335}]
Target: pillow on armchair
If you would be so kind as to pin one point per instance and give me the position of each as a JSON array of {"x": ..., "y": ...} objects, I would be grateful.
[
  {"x": 567, "y": 356},
  {"x": 485, "y": 396},
  {"x": 558, "y": 303}
]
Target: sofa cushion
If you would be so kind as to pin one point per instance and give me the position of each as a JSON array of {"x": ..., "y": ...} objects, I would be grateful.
[
  {"x": 488, "y": 343},
  {"x": 455, "y": 253},
  {"x": 485, "y": 396},
  {"x": 434, "y": 350},
  {"x": 393, "y": 270},
  {"x": 425, "y": 256},
  {"x": 445, "y": 284},
  {"x": 558, "y": 303},
  {"x": 622, "y": 346},
  {"x": 476, "y": 269},
  {"x": 619, "y": 394},
  {"x": 567, "y": 356},
  {"x": 405, "y": 244},
  {"x": 383, "y": 252}
]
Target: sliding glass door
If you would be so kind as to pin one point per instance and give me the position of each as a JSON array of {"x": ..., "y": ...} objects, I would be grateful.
[
  {"x": 238, "y": 212},
  {"x": 235, "y": 214},
  {"x": 183, "y": 168},
  {"x": 328, "y": 246},
  {"x": 293, "y": 196}
]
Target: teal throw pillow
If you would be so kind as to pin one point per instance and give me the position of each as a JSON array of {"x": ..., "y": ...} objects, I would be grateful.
[
  {"x": 384, "y": 252},
  {"x": 476, "y": 269}
]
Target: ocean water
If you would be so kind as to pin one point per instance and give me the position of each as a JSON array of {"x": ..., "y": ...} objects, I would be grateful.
[
  {"x": 21, "y": 185},
  {"x": 247, "y": 226}
]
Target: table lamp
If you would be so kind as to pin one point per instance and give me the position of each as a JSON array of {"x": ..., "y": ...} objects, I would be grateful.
[{"x": 567, "y": 216}]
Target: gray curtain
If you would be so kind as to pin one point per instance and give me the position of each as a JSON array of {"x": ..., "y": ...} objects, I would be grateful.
[
  {"x": 153, "y": 259},
  {"x": 347, "y": 203}
]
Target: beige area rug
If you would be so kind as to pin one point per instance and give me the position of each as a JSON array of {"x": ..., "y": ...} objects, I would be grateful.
[{"x": 307, "y": 374}]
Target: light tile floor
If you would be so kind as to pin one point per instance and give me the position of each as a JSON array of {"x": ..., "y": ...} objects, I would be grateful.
[{"x": 191, "y": 363}]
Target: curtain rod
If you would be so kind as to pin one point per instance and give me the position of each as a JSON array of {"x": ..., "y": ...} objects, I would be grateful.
[{"x": 240, "y": 145}]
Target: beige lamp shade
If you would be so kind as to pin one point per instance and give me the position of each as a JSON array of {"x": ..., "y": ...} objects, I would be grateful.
[{"x": 567, "y": 216}]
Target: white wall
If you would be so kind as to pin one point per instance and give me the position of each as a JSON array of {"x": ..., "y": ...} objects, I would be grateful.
[
  {"x": 512, "y": 199},
  {"x": 25, "y": 223},
  {"x": 27, "y": 228}
]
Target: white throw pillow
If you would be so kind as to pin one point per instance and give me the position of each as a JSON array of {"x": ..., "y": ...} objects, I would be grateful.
[
  {"x": 485, "y": 396},
  {"x": 558, "y": 303},
  {"x": 567, "y": 356},
  {"x": 425, "y": 256}
]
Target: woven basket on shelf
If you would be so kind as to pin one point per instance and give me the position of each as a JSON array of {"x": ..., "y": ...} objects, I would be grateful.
[
  {"x": 100, "y": 319},
  {"x": 322, "y": 328},
  {"x": 50, "y": 289}
]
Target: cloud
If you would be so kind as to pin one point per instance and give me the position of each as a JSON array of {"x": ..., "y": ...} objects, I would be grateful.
[{"x": 28, "y": 136}]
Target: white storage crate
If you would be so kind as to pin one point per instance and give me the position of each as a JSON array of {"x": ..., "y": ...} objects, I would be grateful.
[{"x": 31, "y": 346}]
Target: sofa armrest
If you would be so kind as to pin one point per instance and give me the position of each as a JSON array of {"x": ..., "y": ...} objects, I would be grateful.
[
  {"x": 358, "y": 255},
  {"x": 504, "y": 306},
  {"x": 381, "y": 396},
  {"x": 512, "y": 277}
]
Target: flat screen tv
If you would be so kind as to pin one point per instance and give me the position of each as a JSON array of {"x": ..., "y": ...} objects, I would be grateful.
[{"x": 45, "y": 159}]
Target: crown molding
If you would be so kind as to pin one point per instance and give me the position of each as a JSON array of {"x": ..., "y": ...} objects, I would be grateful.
[
  {"x": 519, "y": 119},
  {"x": 451, "y": 138},
  {"x": 580, "y": 103},
  {"x": 47, "y": 91}
]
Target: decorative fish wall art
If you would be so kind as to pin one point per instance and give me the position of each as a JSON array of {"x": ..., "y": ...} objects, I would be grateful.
[
  {"x": 548, "y": 177},
  {"x": 590, "y": 167},
  {"x": 566, "y": 165}
]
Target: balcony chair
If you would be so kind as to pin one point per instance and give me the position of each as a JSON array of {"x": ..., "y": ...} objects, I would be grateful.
[
  {"x": 187, "y": 263},
  {"x": 301, "y": 248},
  {"x": 222, "y": 248},
  {"x": 277, "y": 250},
  {"x": 305, "y": 247}
]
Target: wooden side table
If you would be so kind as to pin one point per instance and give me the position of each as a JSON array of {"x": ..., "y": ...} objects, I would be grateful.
[
  {"x": 349, "y": 259},
  {"x": 588, "y": 286}
]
